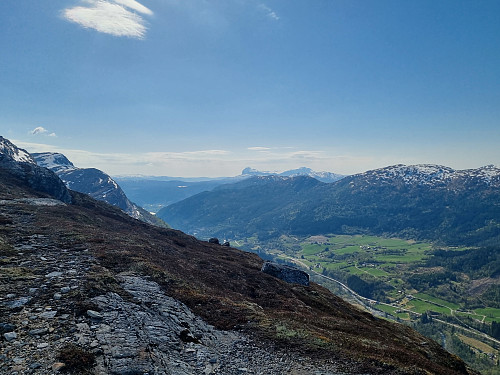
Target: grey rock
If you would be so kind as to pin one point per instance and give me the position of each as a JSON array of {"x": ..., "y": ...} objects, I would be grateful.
[
  {"x": 18, "y": 302},
  {"x": 48, "y": 314},
  {"x": 65, "y": 289},
  {"x": 214, "y": 240},
  {"x": 94, "y": 314},
  {"x": 286, "y": 273},
  {"x": 10, "y": 336},
  {"x": 38, "y": 331},
  {"x": 7, "y": 327},
  {"x": 53, "y": 274}
]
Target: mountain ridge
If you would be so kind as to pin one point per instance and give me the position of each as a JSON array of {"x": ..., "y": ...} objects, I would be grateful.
[
  {"x": 94, "y": 182},
  {"x": 419, "y": 202}
]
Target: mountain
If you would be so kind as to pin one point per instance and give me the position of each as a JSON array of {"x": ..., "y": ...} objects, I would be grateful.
[
  {"x": 20, "y": 163},
  {"x": 249, "y": 206},
  {"x": 303, "y": 171},
  {"x": 155, "y": 193},
  {"x": 421, "y": 202},
  {"x": 87, "y": 289},
  {"x": 93, "y": 182}
]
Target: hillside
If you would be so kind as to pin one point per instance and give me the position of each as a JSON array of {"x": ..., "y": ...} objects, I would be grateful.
[
  {"x": 85, "y": 288},
  {"x": 154, "y": 193},
  {"x": 420, "y": 202}
]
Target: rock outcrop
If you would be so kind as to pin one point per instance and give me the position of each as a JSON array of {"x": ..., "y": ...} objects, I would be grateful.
[{"x": 286, "y": 273}]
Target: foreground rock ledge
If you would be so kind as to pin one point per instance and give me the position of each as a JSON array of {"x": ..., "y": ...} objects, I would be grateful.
[{"x": 289, "y": 274}]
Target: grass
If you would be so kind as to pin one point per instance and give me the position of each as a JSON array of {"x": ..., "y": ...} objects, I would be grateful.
[
  {"x": 438, "y": 301},
  {"x": 421, "y": 307},
  {"x": 491, "y": 314},
  {"x": 481, "y": 346}
]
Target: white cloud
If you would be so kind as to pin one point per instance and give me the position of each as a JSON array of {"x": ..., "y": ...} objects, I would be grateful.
[
  {"x": 41, "y": 130},
  {"x": 258, "y": 148},
  {"x": 115, "y": 17},
  {"x": 212, "y": 163},
  {"x": 132, "y": 4},
  {"x": 269, "y": 12},
  {"x": 38, "y": 130}
]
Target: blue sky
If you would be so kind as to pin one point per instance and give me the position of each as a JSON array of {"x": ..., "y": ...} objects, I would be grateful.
[{"x": 206, "y": 88}]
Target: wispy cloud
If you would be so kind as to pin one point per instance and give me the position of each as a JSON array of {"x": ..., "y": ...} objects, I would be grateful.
[
  {"x": 41, "y": 130},
  {"x": 258, "y": 148},
  {"x": 211, "y": 163},
  {"x": 115, "y": 17},
  {"x": 269, "y": 12}
]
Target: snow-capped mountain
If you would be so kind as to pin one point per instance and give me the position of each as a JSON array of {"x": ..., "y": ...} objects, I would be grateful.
[
  {"x": 93, "y": 182},
  {"x": 11, "y": 151},
  {"x": 432, "y": 175},
  {"x": 303, "y": 171},
  {"x": 54, "y": 161},
  {"x": 19, "y": 163}
]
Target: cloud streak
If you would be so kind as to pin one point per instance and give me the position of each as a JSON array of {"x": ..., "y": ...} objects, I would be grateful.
[
  {"x": 269, "y": 12},
  {"x": 114, "y": 17},
  {"x": 210, "y": 163}
]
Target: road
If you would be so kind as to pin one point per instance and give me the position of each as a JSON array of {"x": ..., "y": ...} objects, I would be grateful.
[{"x": 367, "y": 303}]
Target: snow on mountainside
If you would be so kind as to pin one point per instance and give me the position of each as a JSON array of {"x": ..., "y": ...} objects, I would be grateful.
[
  {"x": 432, "y": 175},
  {"x": 17, "y": 154},
  {"x": 54, "y": 161},
  {"x": 93, "y": 182},
  {"x": 303, "y": 171}
]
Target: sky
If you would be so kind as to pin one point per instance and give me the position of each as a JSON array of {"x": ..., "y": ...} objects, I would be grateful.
[{"x": 194, "y": 88}]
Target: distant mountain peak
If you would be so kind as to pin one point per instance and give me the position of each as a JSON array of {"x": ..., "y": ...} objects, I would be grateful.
[
  {"x": 302, "y": 171},
  {"x": 11, "y": 151},
  {"x": 55, "y": 161}
]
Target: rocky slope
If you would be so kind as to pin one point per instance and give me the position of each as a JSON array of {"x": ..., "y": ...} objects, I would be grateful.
[
  {"x": 93, "y": 182},
  {"x": 86, "y": 289}
]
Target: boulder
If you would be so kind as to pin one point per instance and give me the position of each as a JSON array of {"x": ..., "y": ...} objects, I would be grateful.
[
  {"x": 214, "y": 240},
  {"x": 286, "y": 273}
]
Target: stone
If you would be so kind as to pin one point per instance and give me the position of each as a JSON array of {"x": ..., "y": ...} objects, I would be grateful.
[
  {"x": 226, "y": 243},
  {"x": 48, "y": 314},
  {"x": 57, "y": 366},
  {"x": 214, "y": 240},
  {"x": 34, "y": 366},
  {"x": 57, "y": 296},
  {"x": 187, "y": 336},
  {"x": 94, "y": 314},
  {"x": 7, "y": 327},
  {"x": 65, "y": 289},
  {"x": 43, "y": 345},
  {"x": 10, "y": 336},
  {"x": 53, "y": 274},
  {"x": 39, "y": 331},
  {"x": 286, "y": 273},
  {"x": 18, "y": 302}
]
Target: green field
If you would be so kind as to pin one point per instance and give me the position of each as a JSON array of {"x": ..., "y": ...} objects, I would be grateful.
[
  {"x": 438, "y": 301},
  {"x": 490, "y": 313}
]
